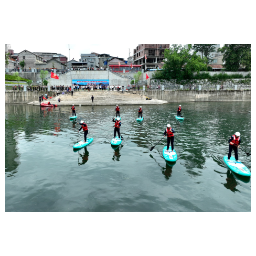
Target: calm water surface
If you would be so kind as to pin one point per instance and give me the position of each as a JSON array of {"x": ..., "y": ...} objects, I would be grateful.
[{"x": 43, "y": 173}]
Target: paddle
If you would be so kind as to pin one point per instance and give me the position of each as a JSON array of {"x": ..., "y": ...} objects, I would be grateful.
[{"x": 155, "y": 145}]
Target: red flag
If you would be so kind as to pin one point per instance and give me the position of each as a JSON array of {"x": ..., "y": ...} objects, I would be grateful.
[
  {"x": 131, "y": 65},
  {"x": 54, "y": 76},
  {"x": 147, "y": 77},
  {"x": 145, "y": 56}
]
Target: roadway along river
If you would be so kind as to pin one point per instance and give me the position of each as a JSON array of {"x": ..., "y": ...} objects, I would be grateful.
[{"x": 43, "y": 173}]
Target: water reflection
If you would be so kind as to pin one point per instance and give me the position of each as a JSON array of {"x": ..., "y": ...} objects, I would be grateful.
[
  {"x": 84, "y": 157},
  {"x": 167, "y": 172},
  {"x": 116, "y": 155},
  {"x": 231, "y": 182}
]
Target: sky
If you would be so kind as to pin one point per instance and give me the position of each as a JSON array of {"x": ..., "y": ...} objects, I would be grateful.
[
  {"x": 76, "y": 50},
  {"x": 115, "y": 50}
]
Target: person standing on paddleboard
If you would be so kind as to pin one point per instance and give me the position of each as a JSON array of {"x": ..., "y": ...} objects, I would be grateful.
[
  {"x": 117, "y": 127},
  {"x": 85, "y": 129},
  {"x": 140, "y": 112},
  {"x": 179, "y": 111},
  {"x": 73, "y": 110},
  {"x": 234, "y": 144},
  {"x": 170, "y": 136},
  {"x": 117, "y": 110}
]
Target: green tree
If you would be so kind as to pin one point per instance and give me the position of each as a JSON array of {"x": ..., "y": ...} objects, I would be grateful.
[
  {"x": 22, "y": 64},
  {"x": 7, "y": 57},
  {"x": 180, "y": 63},
  {"x": 205, "y": 50},
  {"x": 137, "y": 77},
  {"x": 43, "y": 74},
  {"x": 236, "y": 56},
  {"x": 29, "y": 82},
  {"x": 45, "y": 82},
  {"x": 18, "y": 78}
]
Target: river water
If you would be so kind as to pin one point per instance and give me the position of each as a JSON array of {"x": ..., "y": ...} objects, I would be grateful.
[{"x": 44, "y": 174}]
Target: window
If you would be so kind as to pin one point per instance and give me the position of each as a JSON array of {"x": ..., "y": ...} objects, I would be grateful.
[
  {"x": 23, "y": 57},
  {"x": 151, "y": 52}
]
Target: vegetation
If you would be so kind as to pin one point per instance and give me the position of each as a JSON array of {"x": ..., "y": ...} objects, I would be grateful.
[
  {"x": 29, "y": 82},
  {"x": 22, "y": 64},
  {"x": 18, "y": 78},
  {"x": 7, "y": 56},
  {"x": 205, "y": 50},
  {"x": 236, "y": 56},
  {"x": 137, "y": 77},
  {"x": 45, "y": 82},
  {"x": 180, "y": 63},
  {"x": 43, "y": 74},
  {"x": 14, "y": 78}
]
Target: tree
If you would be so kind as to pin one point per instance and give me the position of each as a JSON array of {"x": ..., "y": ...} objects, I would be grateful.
[
  {"x": 43, "y": 74},
  {"x": 236, "y": 55},
  {"x": 18, "y": 78},
  {"x": 22, "y": 64},
  {"x": 205, "y": 50},
  {"x": 29, "y": 82},
  {"x": 180, "y": 64},
  {"x": 45, "y": 82},
  {"x": 7, "y": 56},
  {"x": 137, "y": 77}
]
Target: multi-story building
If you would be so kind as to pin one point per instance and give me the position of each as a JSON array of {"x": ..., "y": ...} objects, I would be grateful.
[
  {"x": 149, "y": 56},
  {"x": 30, "y": 59},
  {"x": 91, "y": 59}
]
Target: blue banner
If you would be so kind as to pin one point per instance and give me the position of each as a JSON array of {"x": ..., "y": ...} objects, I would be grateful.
[{"x": 104, "y": 82}]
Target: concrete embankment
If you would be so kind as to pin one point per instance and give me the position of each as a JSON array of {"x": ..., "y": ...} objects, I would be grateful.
[{"x": 185, "y": 96}]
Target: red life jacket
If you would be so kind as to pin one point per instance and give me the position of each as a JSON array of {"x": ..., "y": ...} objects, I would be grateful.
[
  {"x": 73, "y": 108},
  {"x": 169, "y": 132},
  {"x": 117, "y": 109},
  {"x": 85, "y": 127},
  {"x": 235, "y": 140},
  {"x": 117, "y": 124},
  {"x": 179, "y": 109},
  {"x": 140, "y": 110},
  {"x": 49, "y": 103}
]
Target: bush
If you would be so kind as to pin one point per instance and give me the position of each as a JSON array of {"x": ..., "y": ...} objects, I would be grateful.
[
  {"x": 248, "y": 76},
  {"x": 14, "y": 78}
]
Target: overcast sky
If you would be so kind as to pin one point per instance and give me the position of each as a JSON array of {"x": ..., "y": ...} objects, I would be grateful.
[{"x": 121, "y": 51}]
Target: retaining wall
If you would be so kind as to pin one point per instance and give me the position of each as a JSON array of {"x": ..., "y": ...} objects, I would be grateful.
[{"x": 185, "y": 96}]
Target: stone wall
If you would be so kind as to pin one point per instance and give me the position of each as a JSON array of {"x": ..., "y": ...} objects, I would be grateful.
[
  {"x": 185, "y": 96},
  {"x": 20, "y": 97}
]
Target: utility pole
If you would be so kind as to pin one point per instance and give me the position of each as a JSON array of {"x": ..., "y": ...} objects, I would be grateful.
[{"x": 69, "y": 51}]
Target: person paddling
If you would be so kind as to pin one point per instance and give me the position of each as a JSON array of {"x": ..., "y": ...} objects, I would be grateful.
[
  {"x": 117, "y": 110},
  {"x": 73, "y": 110},
  {"x": 117, "y": 126},
  {"x": 179, "y": 111},
  {"x": 140, "y": 112},
  {"x": 170, "y": 136},
  {"x": 85, "y": 129},
  {"x": 234, "y": 144}
]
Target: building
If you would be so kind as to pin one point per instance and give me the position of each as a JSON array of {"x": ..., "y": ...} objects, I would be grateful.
[
  {"x": 52, "y": 63},
  {"x": 149, "y": 55},
  {"x": 50, "y": 55},
  {"x": 31, "y": 59},
  {"x": 91, "y": 59}
]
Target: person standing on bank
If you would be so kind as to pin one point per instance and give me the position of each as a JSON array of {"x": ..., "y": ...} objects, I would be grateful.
[
  {"x": 234, "y": 144},
  {"x": 92, "y": 98},
  {"x": 85, "y": 129},
  {"x": 170, "y": 136},
  {"x": 117, "y": 110},
  {"x": 117, "y": 126},
  {"x": 73, "y": 110},
  {"x": 179, "y": 111},
  {"x": 40, "y": 99},
  {"x": 140, "y": 112}
]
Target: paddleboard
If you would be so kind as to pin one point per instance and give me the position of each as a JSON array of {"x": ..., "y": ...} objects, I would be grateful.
[
  {"x": 139, "y": 119},
  {"x": 119, "y": 117},
  {"x": 179, "y": 118},
  {"x": 236, "y": 167},
  {"x": 72, "y": 117},
  {"x": 82, "y": 144},
  {"x": 116, "y": 141},
  {"x": 169, "y": 156}
]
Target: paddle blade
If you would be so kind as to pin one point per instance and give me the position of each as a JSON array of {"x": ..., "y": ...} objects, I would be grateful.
[{"x": 152, "y": 148}]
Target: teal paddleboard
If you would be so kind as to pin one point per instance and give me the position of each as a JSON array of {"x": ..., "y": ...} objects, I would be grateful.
[
  {"x": 179, "y": 118},
  {"x": 82, "y": 144},
  {"x": 72, "y": 117},
  {"x": 139, "y": 119},
  {"x": 236, "y": 166},
  {"x": 168, "y": 155},
  {"x": 116, "y": 141}
]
